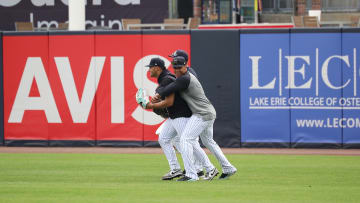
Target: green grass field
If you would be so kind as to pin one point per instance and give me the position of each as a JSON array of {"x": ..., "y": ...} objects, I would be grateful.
[{"x": 135, "y": 178}]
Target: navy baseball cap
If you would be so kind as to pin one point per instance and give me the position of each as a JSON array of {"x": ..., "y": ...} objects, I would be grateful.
[
  {"x": 178, "y": 62},
  {"x": 180, "y": 52},
  {"x": 156, "y": 62}
]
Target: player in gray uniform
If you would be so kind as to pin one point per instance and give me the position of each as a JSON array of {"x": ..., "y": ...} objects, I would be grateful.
[
  {"x": 183, "y": 53},
  {"x": 200, "y": 123},
  {"x": 176, "y": 140}
]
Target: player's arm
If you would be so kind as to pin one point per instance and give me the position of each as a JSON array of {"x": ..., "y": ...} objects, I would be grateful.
[
  {"x": 167, "y": 102},
  {"x": 180, "y": 84}
]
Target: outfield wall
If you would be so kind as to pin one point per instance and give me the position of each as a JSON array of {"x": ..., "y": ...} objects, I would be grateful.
[
  {"x": 1, "y": 95},
  {"x": 271, "y": 88},
  {"x": 216, "y": 62},
  {"x": 296, "y": 86}
]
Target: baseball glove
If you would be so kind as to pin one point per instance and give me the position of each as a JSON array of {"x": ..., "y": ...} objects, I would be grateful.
[{"x": 141, "y": 98}]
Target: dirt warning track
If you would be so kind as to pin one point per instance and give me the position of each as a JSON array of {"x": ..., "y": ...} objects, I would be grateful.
[{"x": 147, "y": 150}]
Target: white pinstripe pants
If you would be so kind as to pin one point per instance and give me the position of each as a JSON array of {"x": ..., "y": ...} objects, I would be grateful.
[
  {"x": 207, "y": 139},
  {"x": 196, "y": 127},
  {"x": 169, "y": 137}
]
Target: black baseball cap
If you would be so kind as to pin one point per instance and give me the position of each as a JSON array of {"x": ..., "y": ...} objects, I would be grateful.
[
  {"x": 178, "y": 62},
  {"x": 156, "y": 62},
  {"x": 180, "y": 52}
]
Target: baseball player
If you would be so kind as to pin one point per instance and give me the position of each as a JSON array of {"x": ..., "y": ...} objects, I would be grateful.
[
  {"x": 200, "y": 123},
  {"x": 178, "y": 113},
  {"x": 197, "y": 164},
  {"x": 183, "y": 53}
]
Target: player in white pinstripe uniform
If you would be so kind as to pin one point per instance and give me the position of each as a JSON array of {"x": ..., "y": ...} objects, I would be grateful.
[
  {"x": 179, "y": 112},
  {"x": 200, "y": 123},
  {"x": 166, "y": 138}
]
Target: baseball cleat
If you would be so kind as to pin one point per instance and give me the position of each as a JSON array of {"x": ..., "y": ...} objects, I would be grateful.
[
  {"x": 185, "y": 178},
  {"x": 182, "y": 174},
  {"x": 226, "y": 175},
  {"x": 201, "y": 174},
  {"x": 172, "y": 174},
  {"x": 211, "y": 174}
]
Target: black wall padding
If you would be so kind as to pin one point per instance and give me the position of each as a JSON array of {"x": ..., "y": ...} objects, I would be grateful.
[
  {"x": 116, "y": 143},
  {"x": 26, "y": 143},
  {"x": 71, "y": 143},
  {"x": 215, "y": 57},
  {"x": 1, "y": 94}
]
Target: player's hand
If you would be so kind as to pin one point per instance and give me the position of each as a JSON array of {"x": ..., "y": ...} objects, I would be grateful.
[
  {"x": 156, "y": 97},
  {"x": 145, "y": 105},
  {"x": 155, "y": 100}
]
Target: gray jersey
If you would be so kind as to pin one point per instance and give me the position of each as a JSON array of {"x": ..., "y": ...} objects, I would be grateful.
[{"x": 192, "y": 92}]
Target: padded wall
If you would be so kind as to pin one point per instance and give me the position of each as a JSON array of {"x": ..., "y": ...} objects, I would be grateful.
[
  {"x": 77, "y": 88},
  {"x": 115, "y": 106},
  {"x": 264, "y": 113},
  {"x": 351, "y": 48},
  {"x": 1, "y": 93},
  {"x": 25, "y": 59},
  {"x": 73, "y": 69},
  {"x": 314, "y": 80},
  {"x": 270, "y": 88},
  {"x": 215, "y": 58}
]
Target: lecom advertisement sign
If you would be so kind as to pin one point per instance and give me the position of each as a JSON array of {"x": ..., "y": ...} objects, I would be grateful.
[{"x": 82, "y": 87}]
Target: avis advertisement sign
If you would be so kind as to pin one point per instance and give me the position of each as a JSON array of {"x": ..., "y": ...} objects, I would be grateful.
[
  {"x": 82, "y": 87},
  {"x": 300, "y": 88}
]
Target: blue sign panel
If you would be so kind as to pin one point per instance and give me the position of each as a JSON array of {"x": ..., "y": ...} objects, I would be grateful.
[
  {"x": 350, "y": 123},
  {"x": 262, "y": 70},
  {"x": 315, "y": 83}
]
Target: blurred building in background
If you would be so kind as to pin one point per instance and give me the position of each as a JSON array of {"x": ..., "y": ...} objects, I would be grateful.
[
  {"x": 272, "y": 11},
  {"x": 331, "y": 10},
  {"x": 109, "y": 14}
]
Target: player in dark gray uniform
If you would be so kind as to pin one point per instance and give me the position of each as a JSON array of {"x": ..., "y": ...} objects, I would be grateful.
[
  {"x": 200, "y": 123},
  {"x": 183, "y": 53}
]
